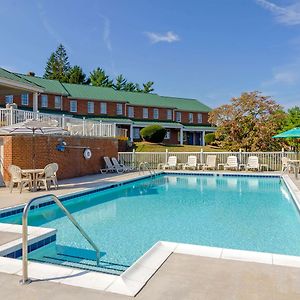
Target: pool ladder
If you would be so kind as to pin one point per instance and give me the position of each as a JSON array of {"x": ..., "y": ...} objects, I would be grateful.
[
  {"x": 145, "y": 165},
  {"x": 25, "y": 278}
]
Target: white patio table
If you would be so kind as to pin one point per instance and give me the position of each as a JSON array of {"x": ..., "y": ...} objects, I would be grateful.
[
  {"x": 33, "y": 174},
  {"x": 296, "y": 164}
]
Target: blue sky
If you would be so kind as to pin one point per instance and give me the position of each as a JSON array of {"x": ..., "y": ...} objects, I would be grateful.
[{"x": 211, "y": 50}]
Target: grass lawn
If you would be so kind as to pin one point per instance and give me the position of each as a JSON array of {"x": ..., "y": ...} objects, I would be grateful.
[{"x": 151, "y": 147}]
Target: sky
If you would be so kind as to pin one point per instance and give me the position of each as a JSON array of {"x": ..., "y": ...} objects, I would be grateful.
[{"x": 210, "y": 50}]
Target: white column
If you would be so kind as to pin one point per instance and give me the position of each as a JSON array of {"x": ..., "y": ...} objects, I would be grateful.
[
  {"x": 203, "y": 139},
  {"x": 131, "y": 133},
  {"x": 35, "y": 102},
  {"x": 181, "y": 136}
]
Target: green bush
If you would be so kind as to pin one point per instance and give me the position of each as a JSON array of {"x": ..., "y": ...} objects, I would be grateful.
[
  {"x": 153, "y": 133},
  {"x": 209, "y": 138}
]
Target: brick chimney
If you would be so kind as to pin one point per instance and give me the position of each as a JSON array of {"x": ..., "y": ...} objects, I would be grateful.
[{"x": 30, "y": 73}]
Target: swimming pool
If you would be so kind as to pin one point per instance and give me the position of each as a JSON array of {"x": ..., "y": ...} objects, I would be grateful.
[{"x": 238, "y": 212}]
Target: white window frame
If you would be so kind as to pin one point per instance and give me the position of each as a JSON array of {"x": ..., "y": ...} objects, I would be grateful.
[
  {"x": 191, "y": 118},
  {"x": 25, "y": 99},
  {"x": 200, "y": 118},
  {"x": 145, "y": 113},
  {"x": 130, "y": 112},
  {"x": 178, "y": 116},
  {"x": 168, "y": 134},
  {"x": 103, "y": 108},
  {"x": 90, "y": 107},
  {"x": 44, "y": 100},
  {"x": 9, "y": 99},
  {"x": 169, "y": 114},
  {"x": 119, "y": 109},
  {"x": 136, "y": 133},
  {"x": 73, "y": 106},
  {"x": 57, "y": 102},
  {"x": 155, "y": 113}
]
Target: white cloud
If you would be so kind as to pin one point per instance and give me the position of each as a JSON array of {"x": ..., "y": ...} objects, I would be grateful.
[
  {"x": 168, "y": 37},
  {"x": 288, "y": 15},
  {"x": 106, "y": 32}
]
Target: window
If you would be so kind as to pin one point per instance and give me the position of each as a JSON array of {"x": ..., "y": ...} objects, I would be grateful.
[
  {"x": 191, "y": 118},
  {"x": 103, "y": 108},
  {"x": 168, "y": 134},
  {"x": 169, "y": 114},
  {"x": 130, "y": 112},
  {"x": 155, "y": 113},
  {"x": 73, "y": 106},
  {"x": 44, "y": 100},
  {"x": 119, "y": 109},
  {"x": 145, "y": 113},
  {"x": 178, "y": 116},
  {"x": 136, "y": 133},
  {"x": 199, "y": 118},
  {"x": 57, "y": 102},
  {"x": 9, "y": 99},
  {"x": 90, "y": 107},
  {"x": 24, "y": 99}
]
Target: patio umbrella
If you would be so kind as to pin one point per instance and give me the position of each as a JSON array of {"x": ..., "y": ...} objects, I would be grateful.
[
  {"x": 33, "y": 127},
  {"x": 292, "y": 133}
]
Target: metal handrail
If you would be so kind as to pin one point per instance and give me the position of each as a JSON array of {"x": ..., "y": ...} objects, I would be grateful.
[
  {"x": 148, "y": 167},
  {"x": 25, "y": 279}
]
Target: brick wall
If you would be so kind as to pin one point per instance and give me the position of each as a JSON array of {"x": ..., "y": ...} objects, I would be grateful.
[{"x": 19, "y": 150}]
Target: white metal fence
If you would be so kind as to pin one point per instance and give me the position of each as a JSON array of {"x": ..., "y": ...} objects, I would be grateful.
[
  {"x": 76, "y": 126},
  {"x": 272, "y": 159}
]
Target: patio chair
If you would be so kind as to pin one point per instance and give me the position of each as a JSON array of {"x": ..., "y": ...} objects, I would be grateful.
[
  {"x": 211, "y": 162},
  {"x": 120, "y": 167},
  {"x": 191, "y": 163},
  {"x": 109, "y": 167},
  {"x": 253, "y": 163},
  {"x": 286, "y": 166},
  {"x": 171, "y": 164},
  {"x": 232, "y": 163},
  {"x": 16, "y": 176},
  {"x": 48, "y": 176}
]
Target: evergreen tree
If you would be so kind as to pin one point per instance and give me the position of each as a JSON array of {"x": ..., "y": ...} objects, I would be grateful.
[
  {"x": 76, "y": 75},
  {"x": 98, "y": 77},
  {"x": 130, "y": 87},
  {"x": 120, "y": 83},
  {"x": 58, "y": 65},
  {"x": 148, "y": 87}
]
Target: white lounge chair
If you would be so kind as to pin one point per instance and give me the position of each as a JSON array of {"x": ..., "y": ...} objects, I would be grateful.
[
  {"x": 211, "y": 162},
  {"x": 120, "y": 168},
  {"x": 48, "y": 176},
  {"x": 171, "y": 164},
  {"x": 16, "y": 176},
  {"x": 191, "y": 163},
  {"x": 232, "y": 163},
  {"x": 286, "y": 164},
  {"x": 253, "y": 163},
  {"x": 109, "y": 167}
]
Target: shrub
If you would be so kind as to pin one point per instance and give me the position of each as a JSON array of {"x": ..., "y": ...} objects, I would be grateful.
[
  {"x": 153, "y": 133},
  {"x": 209, "y": 138}
]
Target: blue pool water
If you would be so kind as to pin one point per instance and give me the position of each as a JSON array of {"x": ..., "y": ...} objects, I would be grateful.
[{"x": 250, "y": 213}]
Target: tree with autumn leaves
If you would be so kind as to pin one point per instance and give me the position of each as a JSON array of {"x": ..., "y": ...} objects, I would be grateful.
[{"x": 248, "y": 123}]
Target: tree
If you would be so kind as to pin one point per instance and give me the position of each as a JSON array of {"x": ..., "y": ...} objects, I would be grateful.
[
  {"x": 249, "y": 122},
  {"x": 153, "y": 133},
  {"x": 58, "y": 65},
  {"x": 120, "y": 83},
  {"x": 76, "y": 75},
  {"x": 148, "y": 87},
  {"x": 292, "y": 119},
  {"x": 130, "y": 87},
  {"x": 99, "y": 78}
]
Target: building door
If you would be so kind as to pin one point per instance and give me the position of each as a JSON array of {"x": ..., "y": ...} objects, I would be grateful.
[
  {"x": 190, "y": 138},
  {"x": 197, "y": 139}
]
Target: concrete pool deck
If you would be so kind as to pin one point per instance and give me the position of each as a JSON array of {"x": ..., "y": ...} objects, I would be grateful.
[{"x": 180, "y": 277}]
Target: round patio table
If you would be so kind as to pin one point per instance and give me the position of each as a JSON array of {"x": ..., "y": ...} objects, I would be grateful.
[{"x": 33, "y": 174}]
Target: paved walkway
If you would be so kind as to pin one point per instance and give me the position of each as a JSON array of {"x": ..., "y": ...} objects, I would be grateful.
[{"x": 182, "y": 277}]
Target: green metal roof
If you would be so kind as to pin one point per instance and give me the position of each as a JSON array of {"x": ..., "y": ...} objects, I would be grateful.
[
  {"x": 50, "y": 86},
  {"x": 115, "y": 120},
  {"x": 12, "y": 76},
  {"x": 80, "y": 91},
  {"x": 163, "y": 124}
]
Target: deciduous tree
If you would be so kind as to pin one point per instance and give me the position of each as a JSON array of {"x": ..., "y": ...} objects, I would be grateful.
[{"x": 249, "y": 122}]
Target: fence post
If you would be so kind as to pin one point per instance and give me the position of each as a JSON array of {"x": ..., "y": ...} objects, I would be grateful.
[
  {"x": 11, "y": 115},
  {"x": 63, "y": 121},
  {"x": 166, "y": 157},
  {"x": 201, "y": 156},
  {"x": 240, "y": 155},
  {"x": 133, "y": 158},
  {"x": 83, "y": 126}
]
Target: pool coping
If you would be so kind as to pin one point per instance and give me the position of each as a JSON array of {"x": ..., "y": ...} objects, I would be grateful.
[{"x": 136, "y": 276}]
